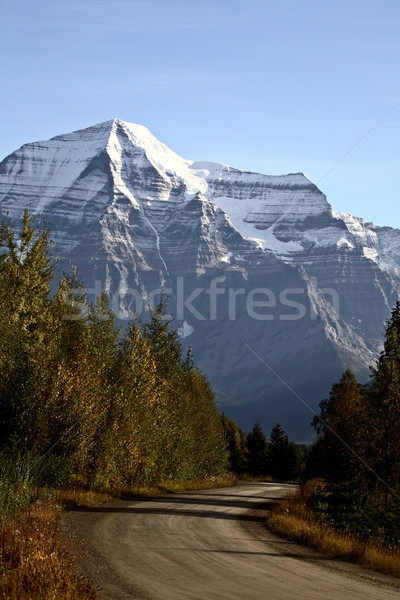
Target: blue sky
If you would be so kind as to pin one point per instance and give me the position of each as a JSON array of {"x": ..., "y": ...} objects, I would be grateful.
[{"x": 270, "y": 86}]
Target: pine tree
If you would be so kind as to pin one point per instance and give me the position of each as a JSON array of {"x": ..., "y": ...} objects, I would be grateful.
[
  {"x": 257, "y": 448},
  {"x": 163, "y": 340},
  {"x": 341, "y": 426},
  {"x": 284, "y": 457},
  {"x": 205, "y": 452},
  {"x": 384, "y": 405},
  {"x": 26, "y": 271}
]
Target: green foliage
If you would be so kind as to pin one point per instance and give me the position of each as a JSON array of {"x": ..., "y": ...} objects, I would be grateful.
[
  {"x": 26, "y": 272},
  {"x": 285, "y": 459},
  {"x": 25, "y": 478},
  {"x": 164, "y": 342},
  {"x": 384, "y": 406},
  {"x": 122, "y": 411},
  {"x": 257, "y": 451},
  {"x": 254, "y": 456},
  {"x": 236, "y": 445},
  {"x": 358, "y": 448},
  {"x": 340, "y": 425}
]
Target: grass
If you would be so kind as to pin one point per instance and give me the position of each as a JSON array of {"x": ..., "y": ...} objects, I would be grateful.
[
  {"x": 73, "y": 498},
  {"x": 294, "y": 520},
  {"x": 34, "y": 562},
  {"x": 257, "y": 478},
  {"x": 22, "y": 481},
  {"x": 177, "y": 487}
]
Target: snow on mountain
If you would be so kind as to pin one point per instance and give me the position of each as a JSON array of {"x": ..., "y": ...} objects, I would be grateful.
[
  {"x": 135, "y": 217},
  {"x": 51, "y": 168},
  {"x": 167, "y": 163},
  {"x": 286, "y": 214}
]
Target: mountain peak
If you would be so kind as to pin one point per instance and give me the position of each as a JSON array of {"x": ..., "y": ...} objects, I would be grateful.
[
  {"x": 101, "y": 131},
  {"x": 136, "y": 217},
  {"x": 140, "y": 131}
]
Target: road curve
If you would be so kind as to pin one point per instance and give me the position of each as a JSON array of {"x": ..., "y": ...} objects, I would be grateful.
[{"x": 208, "y": 545}]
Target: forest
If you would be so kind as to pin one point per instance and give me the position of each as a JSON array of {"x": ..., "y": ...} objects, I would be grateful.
[
  {"x": 348, "y": 505},
  {"x": 357, "y": 451},
  {"x": 83, "y": 402}
]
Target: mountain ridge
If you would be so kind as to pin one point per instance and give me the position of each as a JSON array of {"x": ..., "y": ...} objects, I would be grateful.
[{"x": 135, "y": 218}]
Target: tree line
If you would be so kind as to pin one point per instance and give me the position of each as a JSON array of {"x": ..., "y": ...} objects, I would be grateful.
[
  {"x": 253, "y": 454},
  {"x": 357, "y": 451},
  {"x": 116, "y": 407},
  {"x": 351, "y": 473}
]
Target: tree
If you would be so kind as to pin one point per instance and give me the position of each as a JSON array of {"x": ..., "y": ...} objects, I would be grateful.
[
  {"x": 384, "y": 405},
  {"x": 164, "y": 341},
  {"x": 284, "y": 457},
  {"x": 117, "y": 411},
  {"x": 358, "y": 448},
  {"x": 257, "y": 451},
  {"x": 132, "y": 440},
  {"x": 205, "y": 452},
  {"x": 26, "y": 271},
  {"x": 341, "y": 427},
  {"x": 236, "y": 445}
]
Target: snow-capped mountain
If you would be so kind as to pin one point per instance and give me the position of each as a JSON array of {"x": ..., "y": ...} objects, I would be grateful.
[{"x": 255, "y": 265}]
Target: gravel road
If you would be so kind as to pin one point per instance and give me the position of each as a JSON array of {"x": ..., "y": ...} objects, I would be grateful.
[{"x": 209, "y": 545}]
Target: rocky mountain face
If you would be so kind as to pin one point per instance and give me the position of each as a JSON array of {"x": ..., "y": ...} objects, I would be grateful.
[{"x": 275, "y": 292}]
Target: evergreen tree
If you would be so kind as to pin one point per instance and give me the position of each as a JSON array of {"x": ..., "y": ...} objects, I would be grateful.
[
  {"x": 26, "y": 272},
  {"x": 284, "y": 457},
  {"x": 257, "y": 451},
  {"x": 384, "y": 406},
  {"x": 341, "y": 426},
  {"x": 164, "y": 341},
  {"x": 205, "y": 451}
]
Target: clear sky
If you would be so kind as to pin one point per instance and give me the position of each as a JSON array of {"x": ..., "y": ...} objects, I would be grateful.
[{"x": 270, "y": 86}]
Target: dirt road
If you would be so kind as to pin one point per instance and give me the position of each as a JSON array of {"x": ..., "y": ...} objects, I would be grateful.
[{"x": 210, "y": 545}]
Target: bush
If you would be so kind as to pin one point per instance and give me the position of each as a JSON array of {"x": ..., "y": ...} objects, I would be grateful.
[{"x": 25, "y": 478}]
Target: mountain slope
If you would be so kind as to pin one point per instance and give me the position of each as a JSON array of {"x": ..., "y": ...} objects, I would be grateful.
[{"x": 249, "y": 261}]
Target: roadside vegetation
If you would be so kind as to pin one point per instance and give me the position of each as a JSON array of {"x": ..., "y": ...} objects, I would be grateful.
[
  {"x": 87, "y": 413},
  {"x": 353, "y": 509},
  {"x": 297, "y": 519},
  {"x": 35, "y": 562}
]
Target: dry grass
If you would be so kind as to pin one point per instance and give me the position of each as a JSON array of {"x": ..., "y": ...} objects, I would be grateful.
[
  {"x": 177, "y": 487},
  {"x": 77, "y": 497},
  {"x": 258, "y": 478},
  {"x": 293, "y": 520},
  {"x": 34, "y": 563},
  {"x": 71, "y": 499}
]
